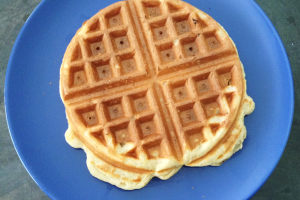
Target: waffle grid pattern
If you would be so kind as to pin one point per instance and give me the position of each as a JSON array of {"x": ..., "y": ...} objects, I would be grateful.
[
  {"x": 196, "y": 98},
  {"x": 130, "y": 122},
  {"x": 109, "y": 54},
  {"x": 178, "y": 35}
]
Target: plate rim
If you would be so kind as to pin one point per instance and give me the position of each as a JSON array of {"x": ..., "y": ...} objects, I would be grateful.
[{"x": 291, "y": 114}]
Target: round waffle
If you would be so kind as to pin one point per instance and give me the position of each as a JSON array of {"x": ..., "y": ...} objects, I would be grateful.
[{"x": 150, "y": 86}]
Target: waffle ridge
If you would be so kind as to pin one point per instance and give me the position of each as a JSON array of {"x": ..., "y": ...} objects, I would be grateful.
[{"x": 150, "y": 86}]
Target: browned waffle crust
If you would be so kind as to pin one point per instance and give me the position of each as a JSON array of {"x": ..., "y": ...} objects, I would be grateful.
[{"x": 150, "y": 86}]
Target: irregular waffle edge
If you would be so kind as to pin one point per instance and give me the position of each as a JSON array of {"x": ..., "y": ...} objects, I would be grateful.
[{"x": 246, "y": 107}]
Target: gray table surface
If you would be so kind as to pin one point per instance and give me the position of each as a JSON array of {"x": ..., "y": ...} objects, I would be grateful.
[{"x": 284, "y": 183}]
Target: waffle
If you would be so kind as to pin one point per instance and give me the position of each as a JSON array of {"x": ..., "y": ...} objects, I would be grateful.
[{"x": 150, "y": 86}]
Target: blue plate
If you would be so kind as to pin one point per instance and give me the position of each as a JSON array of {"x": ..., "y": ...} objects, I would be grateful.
[{"x": 37, "y": 122}]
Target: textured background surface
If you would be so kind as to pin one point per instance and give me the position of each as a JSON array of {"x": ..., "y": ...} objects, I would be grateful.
[{"x": 284, "y": 183}]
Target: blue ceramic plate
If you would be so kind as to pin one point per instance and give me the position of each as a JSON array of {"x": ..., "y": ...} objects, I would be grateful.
[{"x": 37, "y": 122}]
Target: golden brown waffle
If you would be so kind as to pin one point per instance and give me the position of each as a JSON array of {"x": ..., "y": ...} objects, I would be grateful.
[{"x": 150, "y": 86}]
